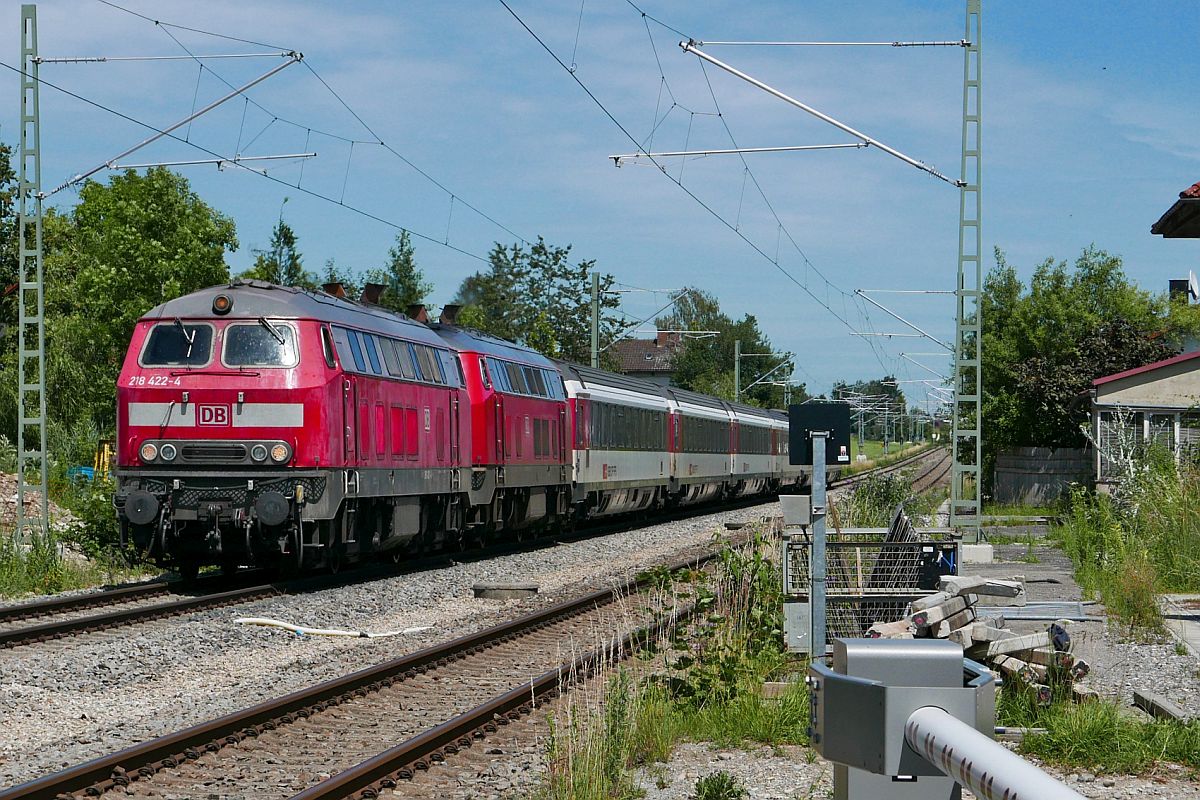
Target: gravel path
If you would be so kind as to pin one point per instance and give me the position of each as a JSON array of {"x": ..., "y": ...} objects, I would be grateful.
[
  {"x": 1118, "y": 665},
  {"x": 788, "y": 773},
  {"x": 89, "y": 696}
]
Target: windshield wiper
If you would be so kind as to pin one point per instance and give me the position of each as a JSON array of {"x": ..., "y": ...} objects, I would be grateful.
[
  {"x": 274, "y": 331},
  {"x": 190, "y": 339}
]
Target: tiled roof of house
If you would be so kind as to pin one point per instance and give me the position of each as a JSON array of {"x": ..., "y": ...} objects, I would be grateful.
[
  {"x": 1181, "y": 220},
  {"x": 646, "y": 355}
]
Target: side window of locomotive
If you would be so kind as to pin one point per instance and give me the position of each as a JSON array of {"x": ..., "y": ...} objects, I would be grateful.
[
  {"x": 405, "y": 357},
  {"x": 327, "y": 347},
  {"x": 389, "y": 358},
  {"x": 536, "y": 382},
  {"x": 516, "y": 378},
  {"x": 348, "y": 348},
  {"x": 431, "y": 371},
  {"x": 372, "y": 353},
  {"x": 499, "y": 375},
  {"x": 182, "y": 345},
  {"x": 261, "y": 344},
  {"x": 450, "y": 368}
]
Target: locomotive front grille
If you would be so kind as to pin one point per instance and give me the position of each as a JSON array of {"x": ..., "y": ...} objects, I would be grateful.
[
  {"x": 234, "y": 491},
  {"x": 213, "y": 453}
]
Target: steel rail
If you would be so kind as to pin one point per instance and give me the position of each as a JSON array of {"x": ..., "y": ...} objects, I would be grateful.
[
  {"x": 59, "y": 605},
  {"x": 107, "y": 772},
  {"x": 96, "y": 622},
  {"x": 383, "y": 771}
]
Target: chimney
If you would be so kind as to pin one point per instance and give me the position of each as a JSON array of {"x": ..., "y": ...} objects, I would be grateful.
[
  {"x": 335, "y": 289},
  {"x": 417, "y": 312},
  {"x": 667, "y": 339},
  {"x": 450, "y": 313},
  {"x": 371, "y": 293}
]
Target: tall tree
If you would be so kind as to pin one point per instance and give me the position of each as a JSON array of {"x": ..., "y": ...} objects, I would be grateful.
[
  {"x": 538, "y": 296},
  {"x": 405, "y": 282},
  {"x": 335, "y": 274},
  {"x": 127, "y": 246},
  {"x": 705, "y": 363},
  {"x": 282, "y": 263}
]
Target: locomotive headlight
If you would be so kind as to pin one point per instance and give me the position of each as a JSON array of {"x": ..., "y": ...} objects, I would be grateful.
[
  {"x": 280, "y": 453},
  {"x": 168, "y": 452},
  {"x": 259, "y": 452},
  {"x": 148, "y": 451}
]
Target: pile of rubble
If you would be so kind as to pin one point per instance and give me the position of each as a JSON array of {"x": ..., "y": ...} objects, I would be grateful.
[
  {"x": 1040, "y": 660},
  {"x": 60, "y": 518}
]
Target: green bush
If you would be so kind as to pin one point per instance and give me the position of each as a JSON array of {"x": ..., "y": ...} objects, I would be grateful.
[
  {"x": 719, "y": 786},
  {"x": 96, "y": 532}
]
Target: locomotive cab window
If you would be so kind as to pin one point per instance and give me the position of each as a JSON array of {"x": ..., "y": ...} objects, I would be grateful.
[
  {"x": 178, "y": 344},
  {"x": 261, "y": 344}
]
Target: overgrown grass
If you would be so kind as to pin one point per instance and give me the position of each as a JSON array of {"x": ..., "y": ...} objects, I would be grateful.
[
  {"x": 1100, "y": 736},
  {"x": 897, "y": 452},
  {"x": 1142, "y": 541},
  {"x": 700, "y": 682},
  {"x": 871, "y": 503},
  {"x": 42, "y": 568},
  {"x": 1004, "y": 510}
]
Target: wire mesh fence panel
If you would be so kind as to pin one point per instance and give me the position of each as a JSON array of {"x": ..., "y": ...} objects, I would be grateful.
[{"x": 871, "y": 573}]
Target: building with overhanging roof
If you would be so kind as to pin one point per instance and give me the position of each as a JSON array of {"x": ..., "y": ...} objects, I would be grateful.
[{"x": 649, "y": 359}]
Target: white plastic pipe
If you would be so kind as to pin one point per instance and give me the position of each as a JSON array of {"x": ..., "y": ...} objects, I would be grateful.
[
  {"x": 989, "y": 769},
  {"x": 300, "y": 630}
]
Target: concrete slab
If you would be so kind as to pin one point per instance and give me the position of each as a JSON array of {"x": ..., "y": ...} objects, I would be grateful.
[
  {"x": 504, "y": 591},
  {"x": 1181, "y": 614},
  {"x": 977, "y": 554}
]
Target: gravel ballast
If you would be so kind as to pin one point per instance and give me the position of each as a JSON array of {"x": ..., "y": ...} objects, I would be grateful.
[{"x": 76, "y": 699}]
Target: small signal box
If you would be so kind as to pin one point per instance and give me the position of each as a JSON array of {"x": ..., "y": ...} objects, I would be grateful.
[{"x": 807, "y": 417}]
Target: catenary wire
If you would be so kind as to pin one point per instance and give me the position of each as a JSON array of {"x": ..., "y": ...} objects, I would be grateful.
[
  {"x": 214, "y": 154},
  {"x": 704, "y": 205}
]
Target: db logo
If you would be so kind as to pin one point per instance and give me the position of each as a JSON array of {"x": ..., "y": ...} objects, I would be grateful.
[{"x": 213, "y": 415}]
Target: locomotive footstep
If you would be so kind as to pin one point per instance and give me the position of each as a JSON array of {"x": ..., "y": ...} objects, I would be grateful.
[{"x": 504, "y": 591}]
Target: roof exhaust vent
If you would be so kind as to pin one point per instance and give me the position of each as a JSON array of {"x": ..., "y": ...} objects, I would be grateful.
[
  {"x": 417, "y": 312},
  {"x": 450, "y": 313},
  {"x": 336, "y": 289},
  {"x": 371, "y": 293}
]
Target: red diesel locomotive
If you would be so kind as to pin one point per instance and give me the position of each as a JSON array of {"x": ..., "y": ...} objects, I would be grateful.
[{"x": 277, "y": 426}]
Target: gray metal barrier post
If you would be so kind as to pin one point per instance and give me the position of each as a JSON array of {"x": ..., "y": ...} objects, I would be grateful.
[
  {"x": 911, "y": 719},
  {"x": 817, "y": 570}
]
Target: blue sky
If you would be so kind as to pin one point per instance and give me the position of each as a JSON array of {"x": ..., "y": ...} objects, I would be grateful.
[{"x": 1089, "y": 134}]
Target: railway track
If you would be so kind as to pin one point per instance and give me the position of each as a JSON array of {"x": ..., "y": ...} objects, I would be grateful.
[
  {"x": 387, "y": 721},
  {"x": 44, "y": 621}
]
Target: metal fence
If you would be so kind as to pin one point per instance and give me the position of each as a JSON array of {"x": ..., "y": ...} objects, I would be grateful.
[{"x": 871, "y": 573}]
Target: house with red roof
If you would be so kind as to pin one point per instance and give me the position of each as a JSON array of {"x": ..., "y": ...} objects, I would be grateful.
[
  {"x": 1158, "y": 403},
  {"x": 649, "y": 359}
]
